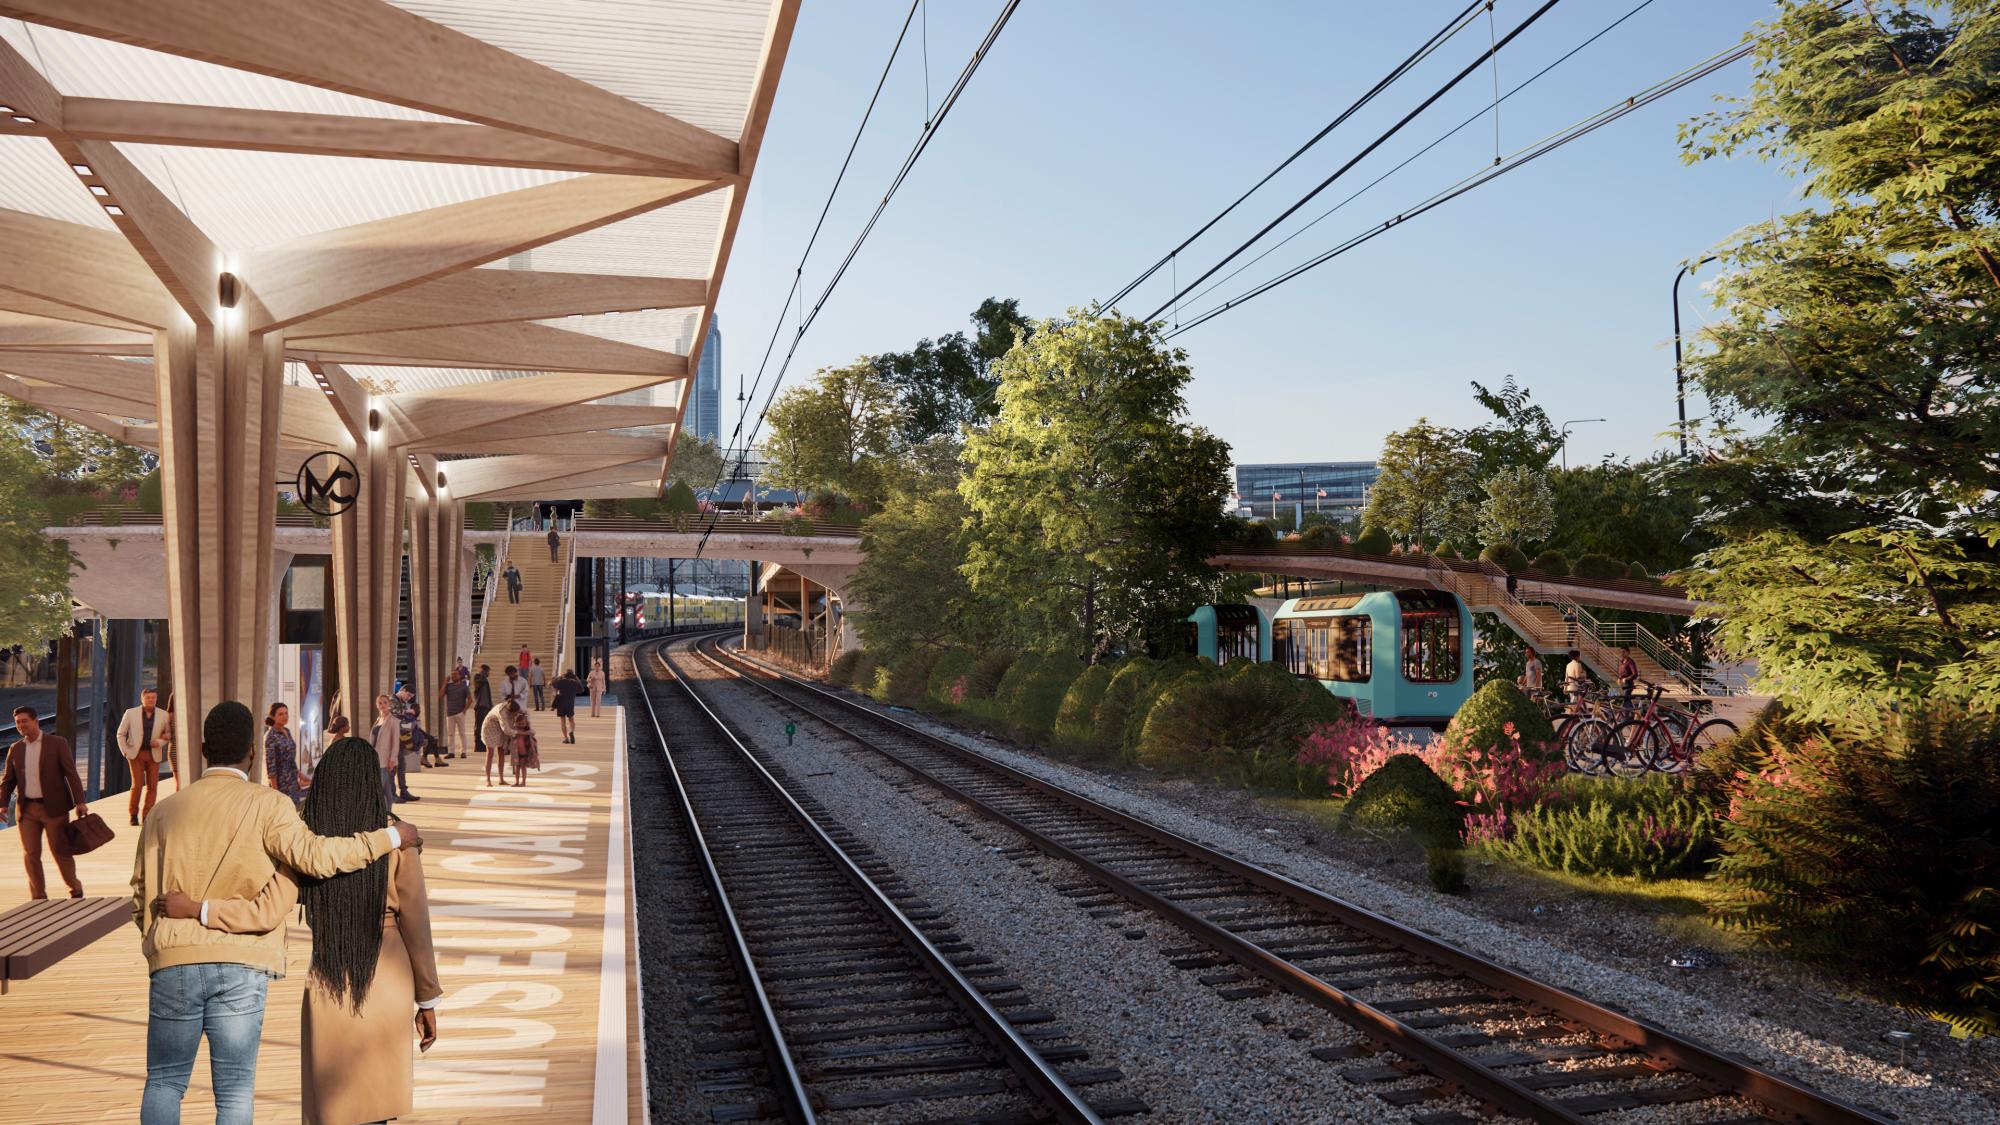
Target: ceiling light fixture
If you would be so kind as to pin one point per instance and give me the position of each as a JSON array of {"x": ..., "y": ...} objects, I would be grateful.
[
  {"x": 6, "y": 109},
  {"x": 79, "y": 169},
  {"x": 113, "y": 209},
  {"x": 24, "y": 120},
  {"x": 100, "y": 191}
]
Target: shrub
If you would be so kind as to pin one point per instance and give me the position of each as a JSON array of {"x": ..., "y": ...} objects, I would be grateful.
[
  {"x": 149, "y": 498},
  {"x": 1374, "y": 541},
  {"x": 1445, "y": 867},
  {"x": 1506, "y": 556},
  {"x": 862, "y": 676},
  {"x": 951, "y": 678},
  {"x": 1405, "y": 795},
  {"x": 1550, "y": 562},
  {"x": 1321, "y": 535},
  {"x": 1877, "y": 849},
  {"x": 1076, "y": 720},
  {"x": 1445, "y": 551},
  {"x": 1030, "y": 703},
  {"x": 841, "y": 671},
  {"x": 1244, "y": 725},
  {"x": 902, "y": 681},
  {"x": 1637, "y": 572},
  {"x": 1121, "y": 693},
  {"x": 1168, "y": 674},
  {"x": 1652, "y": 828},
  {"x": 1595, "y": 566},
  {"x": 988, "y": 668},
  {"x": 1482, "y": 722}
]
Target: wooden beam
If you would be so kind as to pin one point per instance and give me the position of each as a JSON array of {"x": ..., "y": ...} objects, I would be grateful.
[
  {"x": 579, "y": 419},
  {"x": 144, "y": 437},
  {"x": 48, "y": 396},
  {"x": 28, "y": 92},
  {"x": 133, "y": 383},
  {"x": 492, "y": 296},
  {"x": 347, "y": 397},
  {"x": 473, "y": 408},
  {"x": 309, "y": 419},
  {"x": 505, "y": 347},
  {"x": 19, "y": 330},
  {"x": 324, "y": 134},
  {"x": 471, "y": 480},
  {"x": 323, "y": 272},
  {"x": 94, "y": 270},
  {"x": 373, "y": 49},
  {"x": 12, "y": 301},
  {"x": 468, "y": 443}
]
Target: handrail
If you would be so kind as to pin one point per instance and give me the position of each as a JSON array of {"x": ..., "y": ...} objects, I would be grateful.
[
  {"x": 565, "y": 611},
  {"x": 1620, "y": 633},
  {"x": 492, "y": 586}
]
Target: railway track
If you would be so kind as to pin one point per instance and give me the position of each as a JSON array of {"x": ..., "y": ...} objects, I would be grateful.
[
  {"x": 1468, "y": 1025},
  {"x": 852, "y": 1000}
]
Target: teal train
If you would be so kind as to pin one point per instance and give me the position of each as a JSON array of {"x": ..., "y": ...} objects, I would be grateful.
[{"x": 1403, "y": 657}]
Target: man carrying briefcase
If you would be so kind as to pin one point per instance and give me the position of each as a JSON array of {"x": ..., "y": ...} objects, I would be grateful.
[{"x": 42, "y": 769}]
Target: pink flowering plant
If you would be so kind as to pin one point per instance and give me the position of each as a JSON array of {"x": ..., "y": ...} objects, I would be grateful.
[{"x": 1492, "y": 781}]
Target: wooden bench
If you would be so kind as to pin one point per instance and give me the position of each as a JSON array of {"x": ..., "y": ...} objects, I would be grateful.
[{"x": 38, "y": 933}]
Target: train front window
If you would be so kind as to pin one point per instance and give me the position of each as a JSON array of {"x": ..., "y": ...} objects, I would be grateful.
[
  {"x": 1235, "y": 637},
  {"x": 1430, "y": 647},
  {"x": 1350, "y": 651}
]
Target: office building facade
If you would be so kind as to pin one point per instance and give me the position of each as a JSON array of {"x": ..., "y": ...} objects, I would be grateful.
[
  {"x": 1335, "y": 488},
  {"x": 704, "y": 413}
]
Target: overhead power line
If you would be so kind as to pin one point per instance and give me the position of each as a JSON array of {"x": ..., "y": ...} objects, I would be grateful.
[
  {"x": 1378, "y": 142},
  {"x": 1452, "y": 27},
  {"x": 930, "y": 129},
  {"x": 1521, "y": 158}
]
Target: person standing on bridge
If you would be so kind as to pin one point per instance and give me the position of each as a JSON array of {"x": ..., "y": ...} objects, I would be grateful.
[
  {"x": 373, "y": 962},
  {"x": 512, "y": 577},
  {"x": 555, "y": 545}
]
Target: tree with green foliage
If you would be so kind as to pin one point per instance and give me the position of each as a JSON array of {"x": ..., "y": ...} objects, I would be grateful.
[
  {"x": 1519, "y": 437},
  {"x": 1519, "y": 507},
  {"x": 697, "y": 463},
  {"x": 911, "y": 587},
  {"x": 1649, "y": 511},
  {"x": 1094, "y": 506},
  {"x": 36, "y": 607},
  {"x": 1863, "y": 334},
  {"x": 1420, "y": 494},
  {"x": 947, "y": 383},
  {"x": 837, "y": 435}
]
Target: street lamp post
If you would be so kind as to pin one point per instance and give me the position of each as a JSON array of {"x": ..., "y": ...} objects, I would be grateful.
[
  {"x": 1299, "y": 521},
  {"x": 1680, "y": 378},
  {"x": 1565, "y": 437}
]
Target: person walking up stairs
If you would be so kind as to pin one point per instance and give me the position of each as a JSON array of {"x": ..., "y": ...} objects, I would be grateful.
[{"x": 529, "y": 623}]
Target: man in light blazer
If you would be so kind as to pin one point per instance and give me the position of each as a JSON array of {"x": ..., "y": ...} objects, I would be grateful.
[
  {"x": 142, "y": 738},
  {"x": 42, "y": 768}
]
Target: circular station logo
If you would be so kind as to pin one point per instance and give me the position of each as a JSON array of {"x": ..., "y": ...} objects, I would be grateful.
[{"x": 328, "y": 483}]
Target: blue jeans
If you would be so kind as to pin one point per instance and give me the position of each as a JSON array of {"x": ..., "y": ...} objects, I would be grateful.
[{"x": 222, "y": 1000}]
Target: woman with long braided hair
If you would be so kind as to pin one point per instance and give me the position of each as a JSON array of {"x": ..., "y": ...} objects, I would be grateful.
[{"x": 372, "y": 959}]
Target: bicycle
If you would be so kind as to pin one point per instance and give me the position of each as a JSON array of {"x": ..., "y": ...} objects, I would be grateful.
[{"x": 1666, "y": 739}]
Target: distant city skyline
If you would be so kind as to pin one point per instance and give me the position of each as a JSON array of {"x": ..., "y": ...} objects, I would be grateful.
[{"x": 1557, "y": 274}]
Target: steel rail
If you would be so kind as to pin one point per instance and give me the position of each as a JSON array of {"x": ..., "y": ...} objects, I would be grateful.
[
  {"x": 1774, "y": 1091},
  {"x": 796, "y": 1103},
  {"x": 1040, "y": 1078}
]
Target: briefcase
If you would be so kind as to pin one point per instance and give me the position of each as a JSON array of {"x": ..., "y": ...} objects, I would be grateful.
[{"x": 87, "y": 833}]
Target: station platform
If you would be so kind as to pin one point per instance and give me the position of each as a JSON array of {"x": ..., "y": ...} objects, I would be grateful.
[{"x": 531, "y": 913}]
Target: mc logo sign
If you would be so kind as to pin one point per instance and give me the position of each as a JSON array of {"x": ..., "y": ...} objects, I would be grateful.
[{"x": 328, "y": 483}]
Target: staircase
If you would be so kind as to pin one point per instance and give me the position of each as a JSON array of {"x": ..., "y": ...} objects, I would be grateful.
[{"x": 507, "y": 628}]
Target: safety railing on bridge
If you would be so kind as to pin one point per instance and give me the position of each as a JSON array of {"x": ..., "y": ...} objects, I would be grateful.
[
  {"x": 804, "y": 648},
  {"x": 723, "y": 525},
  {"x": 1618, "y": 634}
]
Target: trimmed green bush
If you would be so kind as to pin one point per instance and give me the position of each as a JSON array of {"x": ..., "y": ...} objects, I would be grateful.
[
  {"x": 988, "y": 668},
  {"x": 1651, "y": 828},
  {"x": 1446, "y": 551},
  {"x": 1506, "y": 556},
  {"x": 841, "y": 671},
  {"x": 1076, "y": 720},
  {"x": 1128, "y": 682},
  {"x": 1169, "y": 673},
  {"x": 1243, "y": 725},
  {"x": 1637, "y": 572},
  {"x": 149, "y": 499},
  {"x": 1482, "y": 723},
  {"x": 951, "y": 678},
  {"x": 1321, "y": 535},
  {"x": 1599, "y": 567},
  {"x": 863, "y": 675},
  {"x": 1550, "y": 562},
  {"x": 1405, "y": 795},
  {"x": 1445, "y": 866},
  {"x": 1374, "y": 541},
  {"x": 1038, "y": 697},
  {"x": 902, "y": 681}
]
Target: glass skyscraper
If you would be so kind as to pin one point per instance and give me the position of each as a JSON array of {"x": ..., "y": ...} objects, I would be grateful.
[
  {"x": 705, "y": 407},
  {"x": 1298, "y": 486}
]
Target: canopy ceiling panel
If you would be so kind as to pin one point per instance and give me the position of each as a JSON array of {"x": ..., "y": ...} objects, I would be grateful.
[
  {"x": 590, "y": 143},
  {"x": 85, "y": 67},
  {"x": 693, "y": 59}
]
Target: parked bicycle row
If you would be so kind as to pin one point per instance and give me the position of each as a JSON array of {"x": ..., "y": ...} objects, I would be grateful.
[{"x": 1627, "y": 733}]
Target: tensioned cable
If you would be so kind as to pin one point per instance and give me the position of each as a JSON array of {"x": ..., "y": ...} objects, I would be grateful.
[
  {"x": 1452, "y": 27},
  {"x": 1413, "y": 157},
  {"x": 798, "y": 275},
  {"x": 1521, "y": 158},
  {"x": 1378, "y": 142},
  {"x": 923, "y": 141}
]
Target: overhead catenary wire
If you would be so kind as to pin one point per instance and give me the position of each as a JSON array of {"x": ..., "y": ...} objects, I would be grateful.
[
  {"x": 1520, "y": 158},
  {"x": 1438, "y": 38},
  {"x": 930, "y": 130},
  {"x": 1358, "y": 157}
]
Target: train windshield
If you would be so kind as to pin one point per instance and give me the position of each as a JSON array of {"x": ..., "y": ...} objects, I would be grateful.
[
  {"x": 1431, "y": 642},
  {"x": 1235, "y": 633}
]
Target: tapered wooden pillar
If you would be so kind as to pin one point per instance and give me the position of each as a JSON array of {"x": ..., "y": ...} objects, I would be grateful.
[
  {"x": 367, "y": 575},
  {"x": 437, "y": 531},
  {"x": 219, "y": 393}
]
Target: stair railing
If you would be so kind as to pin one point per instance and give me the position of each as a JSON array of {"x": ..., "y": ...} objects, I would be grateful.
[
  {"x": 1616, "y": 634},
  {"x": 565, "y": 612},
  {"x": 492, "y": 587}
]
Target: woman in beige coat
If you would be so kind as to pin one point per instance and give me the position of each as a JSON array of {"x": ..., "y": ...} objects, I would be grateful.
[{"x": 372, "y": 959}]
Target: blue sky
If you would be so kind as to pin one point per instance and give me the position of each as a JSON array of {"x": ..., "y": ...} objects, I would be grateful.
[{"x": 1098, "y": 134}]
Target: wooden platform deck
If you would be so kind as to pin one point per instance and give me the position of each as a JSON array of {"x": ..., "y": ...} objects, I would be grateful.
[{"x": 531, "y": 908}]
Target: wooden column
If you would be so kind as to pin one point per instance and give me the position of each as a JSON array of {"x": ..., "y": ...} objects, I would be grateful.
[
  {"x": 436, "y": 534},
  {"x": 367, "y": 578},
  {"x": 219, "y": 394}
]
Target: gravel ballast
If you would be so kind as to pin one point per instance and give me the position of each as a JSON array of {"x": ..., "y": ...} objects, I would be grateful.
[{"x": 1780, "y": 1016}]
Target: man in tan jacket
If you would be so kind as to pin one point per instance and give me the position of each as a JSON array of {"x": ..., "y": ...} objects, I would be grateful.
[{"x": 222, "y": 837}]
